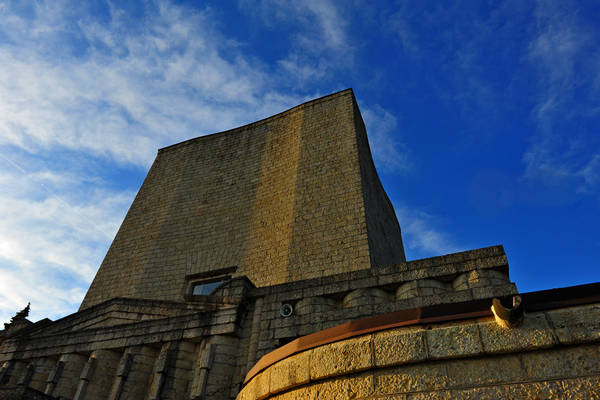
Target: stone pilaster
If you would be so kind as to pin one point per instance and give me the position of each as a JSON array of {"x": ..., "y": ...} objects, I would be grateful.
[
  {"x": 64, "y": 379},
  {"x": 135, "y": 375},
  {"x": 201, "y": 370}
]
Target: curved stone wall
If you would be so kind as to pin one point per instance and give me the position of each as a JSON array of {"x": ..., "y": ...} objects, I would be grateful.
[{"x": 470, "y": 359}]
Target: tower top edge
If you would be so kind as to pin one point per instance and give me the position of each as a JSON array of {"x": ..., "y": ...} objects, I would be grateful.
[{"x": 271, "y": 118}]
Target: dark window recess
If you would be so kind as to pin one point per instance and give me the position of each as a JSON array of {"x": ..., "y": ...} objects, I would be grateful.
[{"x": 205, "y": 288}]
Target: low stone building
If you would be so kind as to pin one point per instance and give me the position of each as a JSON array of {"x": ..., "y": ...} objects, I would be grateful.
[{"x": 267, "y": 262}]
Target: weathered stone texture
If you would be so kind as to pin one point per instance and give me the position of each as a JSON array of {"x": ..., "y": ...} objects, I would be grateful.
[
  {"x": 446, "y": 360},
  {"x": 68, "y": 376},
  {"x": 287, "y": 198},
  {"x": 338, "y": 358},
  {"x": 576, "y": 327},
  {"x": 320, "y": 303},
  {"x": 43, "y": 367},
  {"x": 454, "y": 341},
  {"x": 102, "y": 375},
  {"x": 291, "y": 372},
  {"x": 410, "y": 342}
]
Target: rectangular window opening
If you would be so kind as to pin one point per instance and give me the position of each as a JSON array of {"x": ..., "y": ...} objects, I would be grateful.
[{"x": 206, "y": 288}]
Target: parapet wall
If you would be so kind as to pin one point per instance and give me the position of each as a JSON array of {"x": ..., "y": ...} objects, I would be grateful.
[
  {"x": 291, "y": 197},
  {"x": 552, "y": 355},
  {"x": 322, "y": 303}
]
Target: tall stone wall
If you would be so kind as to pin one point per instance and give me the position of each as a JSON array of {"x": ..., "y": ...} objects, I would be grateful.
[
  {"x": 291, "y": 197},
  {"x": 385, "y": 238}
]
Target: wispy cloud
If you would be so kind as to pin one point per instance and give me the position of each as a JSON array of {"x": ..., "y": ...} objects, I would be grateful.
[
  {"x": 80, "y": 91},
  {"x": 132, "y": 83},
  {"x": 422, "y": 235},
  {"x": 319, "y": 24},
  {"x": 320, "y": 45},
  {"x": 399, "y": 25},
  {"x": 54, "y": 232},
  {"x": 560, "y": 153},
  {"x": 388, "y": 152},
  {"x": 548, "y": 47},
  {"x": 590, "y": 173},
  {"x": 85, "y": 92}
]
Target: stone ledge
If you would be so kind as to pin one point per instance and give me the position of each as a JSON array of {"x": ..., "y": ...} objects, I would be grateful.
[
  {"x": 143, "y": 332},
  {"x": 442, "y": 266}
]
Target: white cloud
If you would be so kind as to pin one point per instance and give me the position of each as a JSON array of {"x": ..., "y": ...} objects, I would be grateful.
[
  {"x": 49, "y": 297},
  {"x": 319, "y": 25},
  {"x": 76, "y": 91},
  {"x": 301, "y": 70},
  {"x": 80, "y": 90},
  {"x": 53, "y": 235},
  {"x": 331, "y": 24},
  {"x": 421, "y": 234},
  {"x": 560, "y": 51},
  {"x": 133, "y": 84},
  {"x": 389, "y": 153},
  {"x": 320, "y": 45}
]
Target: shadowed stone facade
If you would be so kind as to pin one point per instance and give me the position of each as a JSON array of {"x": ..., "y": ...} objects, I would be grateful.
[{"x": 267, "y": 262}]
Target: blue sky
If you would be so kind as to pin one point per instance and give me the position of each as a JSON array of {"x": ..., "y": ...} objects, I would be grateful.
[{"x": 482, "y": 116}]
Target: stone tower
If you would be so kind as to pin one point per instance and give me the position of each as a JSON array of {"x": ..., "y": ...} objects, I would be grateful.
[{"x": 290, "y": 197}]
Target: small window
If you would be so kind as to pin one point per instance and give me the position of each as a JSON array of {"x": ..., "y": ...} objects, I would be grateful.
[
  {"x": 201, "y": 284},
  {"x": 205, "y": 288}
]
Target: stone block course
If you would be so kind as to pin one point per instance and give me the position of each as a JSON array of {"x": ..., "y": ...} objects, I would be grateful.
[
  {"x": 341, "y": 357},
  {"x": 395, "y": 347},
  {"x": 443, "y": 359},
  {"x": 410, "y": 378},
  {"x": 454, "y": 341},
  {"x": 576, "y": 324},
  {"x": 479, "y": 371},
  {"x": 567, "y": 361},
  {"x": 534, "y": 333},
  {"x": 290, "y": 373}
]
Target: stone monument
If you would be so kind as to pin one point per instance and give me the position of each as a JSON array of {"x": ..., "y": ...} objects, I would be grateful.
[{"x": 267, "y": 262}]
